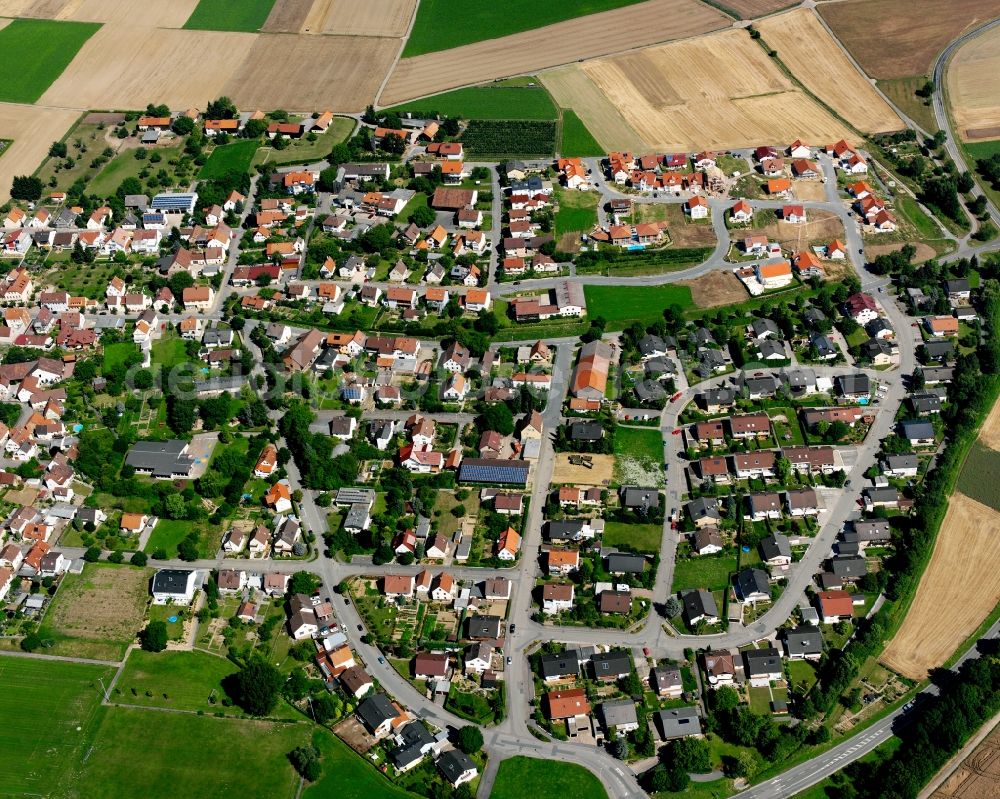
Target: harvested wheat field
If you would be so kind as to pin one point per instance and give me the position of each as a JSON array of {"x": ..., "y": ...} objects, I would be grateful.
[
  {"x": 526, "y": 53},
  {"x": 341, "y": 72},
  {"x": 749, "y": 9},
  {"x": 977, "y": 776},
  {"x": 33, "y": 129},
  {"x": 739, "y": 98},
  {"x": 989, "y": 433},
  {"x": 155, "y": 15},
  {"x": 805, "y": 46},
  {"x": 900, "y": 38},
  {"x": 567, "y": 473},
  {"x": 287, "y": 16},
  {"x": 571, "y": 88},
  {"x": 946, "y": 610},
  {"x": 122, "y": 66},
  {"x": 973, "y": 79},
  {"x": 720, "y": 287},
  {"x": 15, "y": 8},
  {"x": 4, "y": 22},
  {"x": 372, "y": 18}
]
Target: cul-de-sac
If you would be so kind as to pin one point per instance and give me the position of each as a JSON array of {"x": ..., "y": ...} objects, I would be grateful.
[{"x": 452, "y": 399}]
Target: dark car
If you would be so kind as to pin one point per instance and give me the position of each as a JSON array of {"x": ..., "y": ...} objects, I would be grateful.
[{"x": 360, "y": 628}]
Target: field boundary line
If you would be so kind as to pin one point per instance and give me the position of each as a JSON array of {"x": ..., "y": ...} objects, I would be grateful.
[{"x": 63, "y": 658}]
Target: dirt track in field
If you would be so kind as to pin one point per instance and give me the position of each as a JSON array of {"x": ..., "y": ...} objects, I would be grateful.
[
  {"x": 339, "y": 72},
  {"x": 33, "y": 130},
  {"x": 973, "y": 79},
  {"x": 739, "y": 99},
  {"x": 947, "y": 610},
  {"x": 900, "y": 38},
  {"x": 524, "y": 53},
  {"x": 819, "y": 63},
  {"x": 122, "y": 66}
]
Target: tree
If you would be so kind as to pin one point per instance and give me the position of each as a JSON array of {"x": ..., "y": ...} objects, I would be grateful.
[
  {"x": 391, "y": 143},
  {"x": 26, "y": 187},
  {"x": 138, "y": 558},
  {"x": 690, "y": 755},
  {"x": 618, "y": 748},
  {"x": 497, "y": 417},
  {"x": 183, "y": 125},
  {"x": 303, "y": 583},
  {"x": 92, "y": 555},
  {"x": 671, "y": 607},
  {"x": 176, "y": 509},
  {"x": 254, "y": 129},
  {"x": 257, "y": 687},
  {"x": 223, "y": 108},
  {"x": 423, "y": 216},
  {"x": 305, "y": 759},
  {"x": 663, "y": 778},
  {"x": 154, "y": 637},
  {"x": 58, "y": 149},
  {"x": 469, "y": 739}
]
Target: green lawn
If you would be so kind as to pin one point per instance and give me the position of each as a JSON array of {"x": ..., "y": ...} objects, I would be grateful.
[
  {"x": 347, "y": 775},
  {"x": 126, "y": 165},
  {"x": 169, "y": 351},
  {"x": 622, "y": 305},
  {"x": 50, "y": 708},
  {"x": 475, "y": 20},
  {"x": 760, "y": 701},
  {"x": 165, "y": 755},
  {"x": 235, "y": 157},
  {"x": 704, "y": 571},
  {"x": 642, "y": 537},
  {"x": 576, "y": 140},
  {"x": 801, "y": 671},
  {"x": 167, "y": 534},
  {"x": 518, "y": 777},
  {"x": 577, "y": 211},
  {"x": 492, "y": 101},
  {"x": 176, "y": 679},
  {"x": 303, "y": 150},
  {"x": 983, "y": 149},
  {"x": 923, "y": 224},
  {"x": 642, "y": 443},
  {"x": 34, "y": 52},
  {"x": 229, "y": 15},
  {"x": 117, "y": 354}
]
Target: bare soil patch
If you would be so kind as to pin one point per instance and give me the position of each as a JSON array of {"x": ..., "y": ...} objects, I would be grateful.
[
  {"x": 341, "y": 72},
  {"x": 822, "y": 226},
  {"x": 808, "y": 50},
  {"x": 287, "y": 16},
  {"x": 809, "y": 190},
  {"x": 16, "y": 8},
  {"x": 565, "y": 472},
  {"x": 720, "y": 287},
  {"x": 98, "y": 611},
  {"x": 371, "y": 18},
  {"x": 526, "y": 53},
  {"x": 900, "y": 38},
  {"x": 973, "y": 79},
  {"x": 924, "y": 253},
  {"x": 968, "y": 545},
  {"x": 33, "y": 129},
  {"x": 121, "y": 66},
  {"x": 740, "y": 97}
]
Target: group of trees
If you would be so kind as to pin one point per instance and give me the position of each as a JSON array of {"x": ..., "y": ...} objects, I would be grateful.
[{"x": 313, "y": 452}]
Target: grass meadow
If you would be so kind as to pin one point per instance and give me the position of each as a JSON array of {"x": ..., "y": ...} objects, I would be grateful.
[
  {"x": 704, "y": 571},
  {"x": 577, "y": 141},
  {"x": 226, "y": 15},
  {"x": 980, "y": 476},
  {"x": 34, "y": 52},
  {"x": 235, "y": 157},
  {"x": 622, "y": 305},
  {"x": 530, "y": 776}
]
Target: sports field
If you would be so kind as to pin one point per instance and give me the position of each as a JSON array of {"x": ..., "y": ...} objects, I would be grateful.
[
  {"x": 486, "y": 102},
  {"x": 474, "y": 20},
  {"x": 96, "y": 614},
  {"x": 176, "y": 679},
  {"x": 622, "y": 305},
  {"x": 50, "y": 711},
  {"x": 808, "y": 50},
  {"x": 967, "y": 545},
  {"x": 973, "y": 84},
  {"x": 741, "y": 97},
  {"x": 34, "y": 52},
  {"x": 635, "y": 25},
  {"x": 519, "y": 776},
  {"x": 229, "y": 15},
  {"x": 165, "y": 755},
  {"x": 577, "y": 141},
  {"x": 901, "y": 38},
  {"x": 235, "y": 157}
]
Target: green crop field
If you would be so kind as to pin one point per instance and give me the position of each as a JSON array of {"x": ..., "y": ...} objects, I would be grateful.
[
  {"x": 34, "y": 52},
  {"x": 983, "y": 149},
  {"x": 164, "y": 755},
  {"x": 577, "y": 211},
  {"x": 176, "y": 679},
  {"x": 980, "y": 476},
  {"x": 51, "y": 714},
  {"x": 529, "y": 776},
  {"x": 235, "y": 157},
  {"x": 704, "y": 571},
  {"x": 493, "y": 101},
  {"x": 640, "y": 537},
  {"x": 475, "y": 20},
  {"x": 577, "y": 141},
  {"x": 229, "y": 15},
  {"x": 622, "y": 305}
]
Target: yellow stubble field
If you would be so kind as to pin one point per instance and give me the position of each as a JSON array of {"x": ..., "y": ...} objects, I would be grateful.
[
  {"x": 973, "y": 83},
  {"x": 33, "y": 129},
  {"x": 371, "y": 18}
]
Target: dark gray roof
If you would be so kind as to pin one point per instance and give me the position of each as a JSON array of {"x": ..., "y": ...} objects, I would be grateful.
[
  {"x": 626, "y": 563},
  {"x": 894, "y": 462},
  {"x": 484, "y": 627},
  {"x": 160, "y": 458},
  {"x": 766, "y": 385},
  {"x": 762, "y": 661},
  {"x": 698, "y": 603},
  {"x": 716, "y": 396},
  {"x": 618, "y": 713},
  {"x": 171, "y": 581},
  {"x": 764, "y": 327},
  {"x": 454, "y": 763},
  {"x": 771, "y": 349},
  {"x": 565, "y": 530},
  {"x": 702, "y": 508},
  {"x": 917, "y": 428},
  {"x": 560, "y": 664},
  {"x": 640, "y": 498},
  {"x": 849, "y": 567},
  {"x": 857, "y": 384},
  {"x": 678, "y": 722},
  {"x": 936, "y": 350},
  {"x": 752, "y": 581},
  {"x": 611, "y": 664},
  {"x": 586, "y": 431},
  {"x": 803, "y": 641},
  {"x": 775, "y": 545},
  {"x": 650, "y": 345},
  {"x": 375, "y": 711},
  {"x": 873, "y": 531},
  {"x": 925, "y": 402}
]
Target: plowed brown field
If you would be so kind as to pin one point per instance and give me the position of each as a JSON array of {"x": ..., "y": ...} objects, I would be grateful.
[
  {"x": 805, "y": 46},
  {"x": 900, "y": 38},
  {"x": 748, "y": 9},
  {"x": 525, "y": 53},
  {"x": 958, "y": 590}
]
